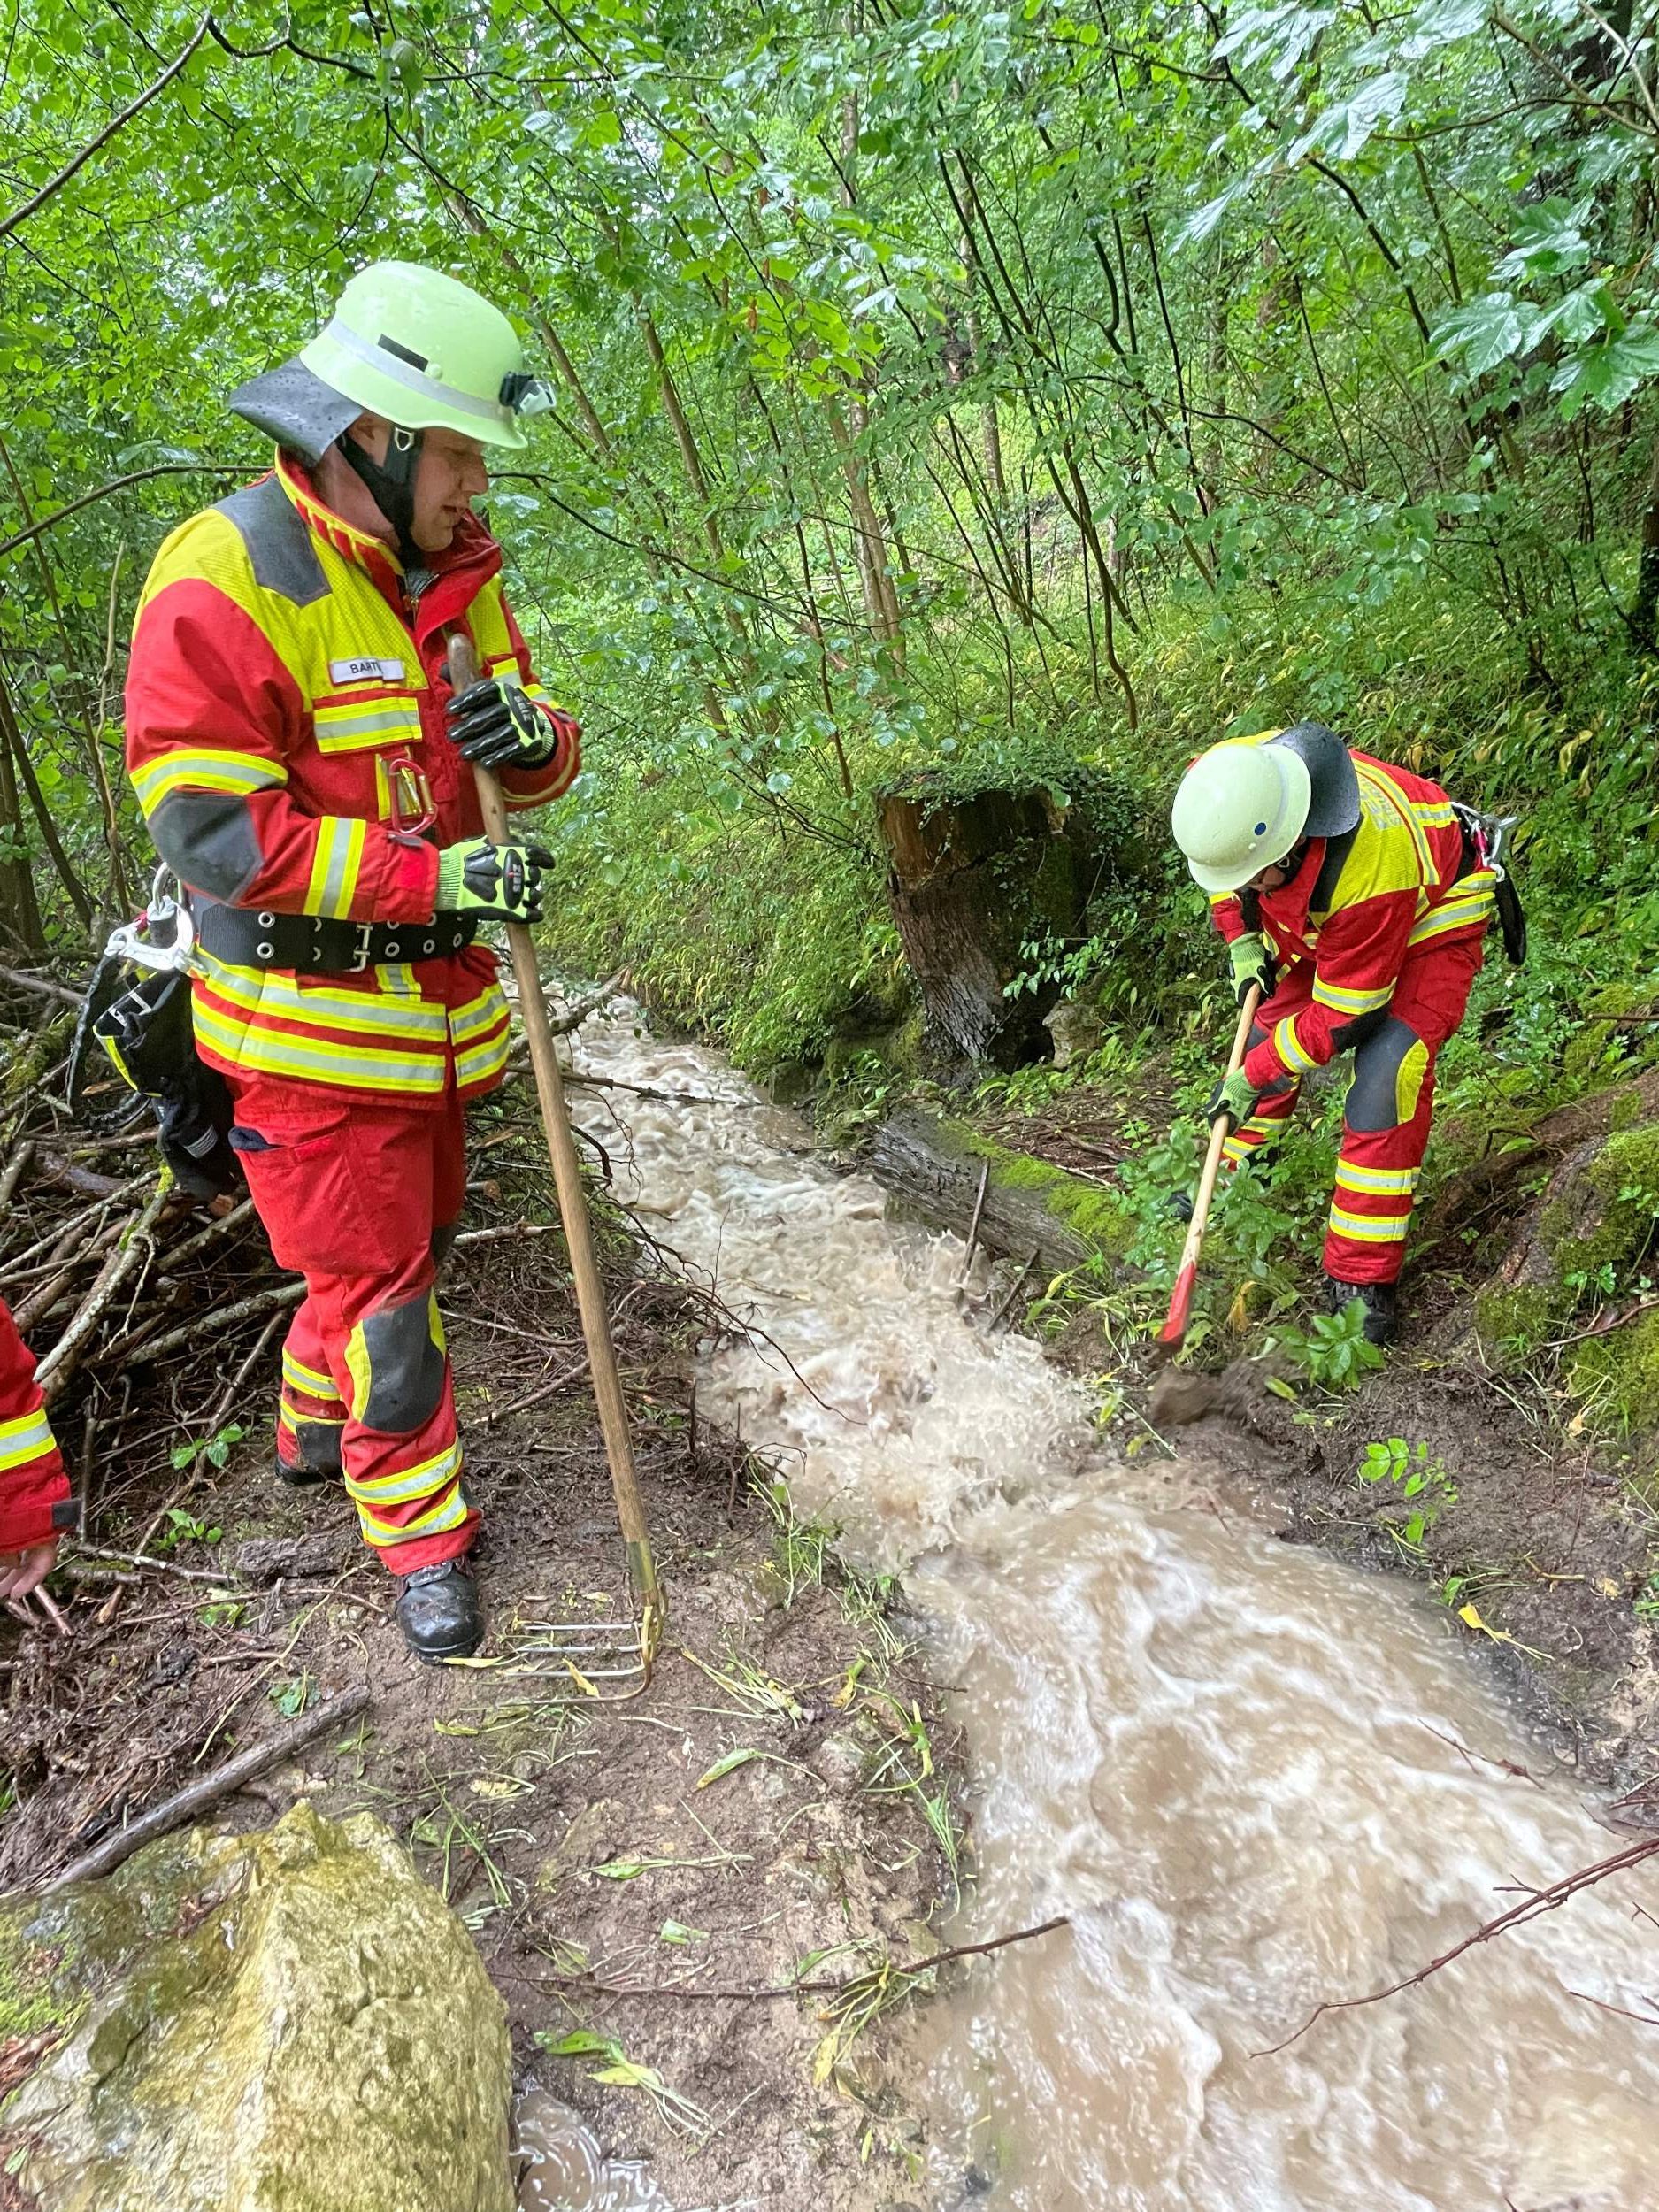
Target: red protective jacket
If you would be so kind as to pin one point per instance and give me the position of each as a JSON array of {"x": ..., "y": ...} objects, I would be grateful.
[
  {"x": 33, "y": 1488},
  {"x": 281, "y": 682},
  {"x": 1356, "y": 907}
]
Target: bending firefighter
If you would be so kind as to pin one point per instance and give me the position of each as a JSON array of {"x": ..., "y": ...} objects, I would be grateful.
[
  {"x": 307, "y": 771},
  {"x": 1358, "y": 895}
]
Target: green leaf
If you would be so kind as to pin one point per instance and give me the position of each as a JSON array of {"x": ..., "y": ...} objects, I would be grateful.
[
  {"x": 580, "y": 2043},
  {"x": 1548, "y": 240},
  {"x": 727, "y": 1765},
  {"x": 1608, "y": 373},
  {"x": 1484, "y": 331},
  {"x": 676, "y": 1931},
  {"x": 1344, "y": 129}
]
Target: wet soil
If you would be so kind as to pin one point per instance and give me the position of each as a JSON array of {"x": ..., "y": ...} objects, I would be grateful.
[{"x": 746, "y": 1822}]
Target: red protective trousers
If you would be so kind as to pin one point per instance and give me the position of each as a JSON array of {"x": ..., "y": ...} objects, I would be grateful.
[
  {"x": 1389, "y": 1107},
  {"x": 362, "y": 1198}
]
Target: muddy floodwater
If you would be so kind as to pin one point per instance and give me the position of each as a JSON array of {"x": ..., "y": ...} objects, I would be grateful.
[{"x": 1234, "y": 1763}]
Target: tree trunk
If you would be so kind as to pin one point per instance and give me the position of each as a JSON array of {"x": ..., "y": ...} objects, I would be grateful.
[
  {"x": 1644, "y": 615},
  {"x": 933, "y": 1174},
  {"x": 20, "y": 910},
  {"x": 971, "y": 880}
]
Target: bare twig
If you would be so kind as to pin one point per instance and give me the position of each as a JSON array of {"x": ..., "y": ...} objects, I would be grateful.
[
  {"x": 1015, "y": 1287},
  {"x": 36, "y": 200},
  {"x": 818, "y": 1988},
  {"x": 38, "y": 528},
  {"x": 1534, "y": 1903},
  {"x": 16, "y": 1168},
  {"x": 220, "y": 1319},
  {"x": 508, "y": 1233},
  {"x": 196, "y": 1798},
  {"x": 227, "y": 1396},
  {"x": 1647, "y": 2019},
  {"x": 580, "y": 1081},
  {"x": 1605, "y": 1323},
  {"x": 42, "y": 985},
  {"x": 535, "y": 1396},
  {"x": 135, "y": 1251},
  {"x": 223, "y": 1576},
  {"x": 211, "y": 1235},
  {"x": 573, "y": 1016},
  {"x": 973, "y": 1225}
]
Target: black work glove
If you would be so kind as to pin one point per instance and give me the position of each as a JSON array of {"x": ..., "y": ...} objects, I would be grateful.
[
  {"x": 494, "y": 882},
  {"x": 495, "y": 725}
]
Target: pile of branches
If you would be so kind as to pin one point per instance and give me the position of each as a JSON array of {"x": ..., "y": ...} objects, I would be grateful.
[{"x": 111, "y": 1273}]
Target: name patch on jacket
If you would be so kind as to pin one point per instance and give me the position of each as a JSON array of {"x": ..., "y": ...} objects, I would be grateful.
[{"x": 366, "y": 669}]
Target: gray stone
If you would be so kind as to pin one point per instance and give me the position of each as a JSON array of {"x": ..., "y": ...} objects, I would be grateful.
[
  {"x": 269, "y": 2022},
  {"x": 1077, "y": 1030},
  {"x": 790, "y": 1082},
  {"x": 839, "y": 1761}
]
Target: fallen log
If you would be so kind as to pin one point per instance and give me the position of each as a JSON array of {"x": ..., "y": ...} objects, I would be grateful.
[{"x": 934, "y": 1173}]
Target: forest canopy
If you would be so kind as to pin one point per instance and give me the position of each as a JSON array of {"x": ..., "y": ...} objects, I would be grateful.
[{"x": 1042, "y": 384}]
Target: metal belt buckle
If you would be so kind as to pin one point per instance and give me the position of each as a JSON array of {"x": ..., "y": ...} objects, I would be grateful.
[{"x": 360, "y": 952}]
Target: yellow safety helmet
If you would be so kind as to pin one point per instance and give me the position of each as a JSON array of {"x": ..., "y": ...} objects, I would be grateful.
[{"x": 411, "y": 344}]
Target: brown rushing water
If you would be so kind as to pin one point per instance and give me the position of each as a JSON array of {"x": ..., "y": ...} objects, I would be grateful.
[{"x": 1215, "y": 1752}]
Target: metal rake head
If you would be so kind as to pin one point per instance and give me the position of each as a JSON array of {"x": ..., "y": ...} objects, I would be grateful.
[{"x": 605, "y": 1659}]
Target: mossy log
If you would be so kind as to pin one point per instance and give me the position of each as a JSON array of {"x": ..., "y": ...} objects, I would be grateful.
[
  {"x": 1512, "y": 1155},
  {"x": 972, "y": 879},
  {"x": 934, "y": 1167}
]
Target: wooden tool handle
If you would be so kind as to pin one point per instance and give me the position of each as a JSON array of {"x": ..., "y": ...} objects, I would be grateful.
[
  {"x": 1181, "y": 1298},
  {"x": 567, "y": 1179}
]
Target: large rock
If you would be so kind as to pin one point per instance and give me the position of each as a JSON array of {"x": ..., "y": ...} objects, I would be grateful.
[{"x": 290, "y": 2022}]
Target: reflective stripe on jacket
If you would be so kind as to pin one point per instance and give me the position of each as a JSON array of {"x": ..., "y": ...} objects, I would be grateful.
[
  {"x": 277, "y": 679},
  {"x": 1356, "y": 905},
  {"x": 33, "y": 1488}
]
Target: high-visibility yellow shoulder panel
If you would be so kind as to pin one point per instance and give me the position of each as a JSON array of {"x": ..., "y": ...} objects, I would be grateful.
[{"x": 347, "y": 620}]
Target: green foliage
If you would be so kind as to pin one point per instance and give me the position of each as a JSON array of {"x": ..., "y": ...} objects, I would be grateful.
[
  {"x": 293, "y": 1696},
  {"x": 209, "y": 1451},
  {"x": 184, "y": 1528},
  {"x": 1331, "y": 1352},
  {"x": 1417, "y": 1478}
]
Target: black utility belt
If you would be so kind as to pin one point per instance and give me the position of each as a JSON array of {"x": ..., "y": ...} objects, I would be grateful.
[{"x": 246, "y": 938}]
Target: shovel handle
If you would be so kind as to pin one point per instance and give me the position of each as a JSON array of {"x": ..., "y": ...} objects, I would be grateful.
[
  {"x": 1174, "y": 1328},
  {"x": 567, "y": 1179}
]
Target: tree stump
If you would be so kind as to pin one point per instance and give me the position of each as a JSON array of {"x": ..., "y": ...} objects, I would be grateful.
[{"x": 971, "y": 877}]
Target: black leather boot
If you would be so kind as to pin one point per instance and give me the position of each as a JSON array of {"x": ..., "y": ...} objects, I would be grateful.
[
  {"x": 438, "y": 1612},
  {"x": 1382, "y": 1317}
]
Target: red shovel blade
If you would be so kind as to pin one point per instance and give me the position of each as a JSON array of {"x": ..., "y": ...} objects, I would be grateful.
[{"x": 1180, "y": 1305}]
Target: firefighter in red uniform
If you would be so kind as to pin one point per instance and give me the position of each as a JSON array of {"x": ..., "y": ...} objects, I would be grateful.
[
  {"x": 1354, "y": 893},
  {"x": 35, "y": 1503},
  {"x": 306, "y": 771}
]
